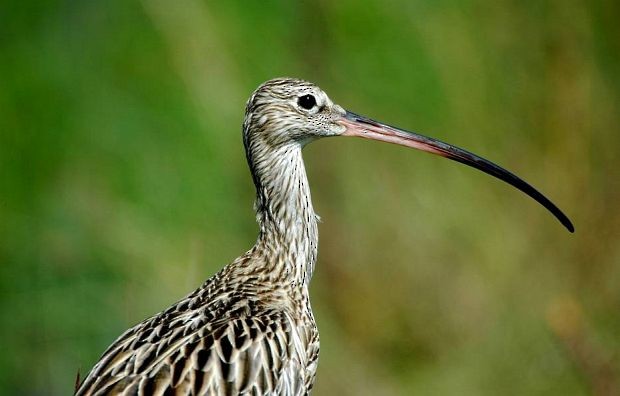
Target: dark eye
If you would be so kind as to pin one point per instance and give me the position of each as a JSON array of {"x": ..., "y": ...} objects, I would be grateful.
[{"x": 307, "y": 101}]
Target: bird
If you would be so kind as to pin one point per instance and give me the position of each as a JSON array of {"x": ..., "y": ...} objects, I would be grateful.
[{"x": 249, "y": 329}]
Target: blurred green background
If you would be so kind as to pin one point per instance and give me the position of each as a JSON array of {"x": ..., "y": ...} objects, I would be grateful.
[{"x": 123, "y": 184}]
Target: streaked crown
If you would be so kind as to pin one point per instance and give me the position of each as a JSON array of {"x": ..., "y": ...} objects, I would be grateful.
[{"x": 289, "y": 111}]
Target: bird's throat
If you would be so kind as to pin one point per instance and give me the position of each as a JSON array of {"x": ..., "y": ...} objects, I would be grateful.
[{"x": 288, "y": 224}]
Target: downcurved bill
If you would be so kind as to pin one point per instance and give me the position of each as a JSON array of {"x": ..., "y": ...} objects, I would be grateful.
[{"x": 361, "y": 126}]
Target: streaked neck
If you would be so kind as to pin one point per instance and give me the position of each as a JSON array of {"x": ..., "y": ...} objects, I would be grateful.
[{"x": 288, "y": 225}]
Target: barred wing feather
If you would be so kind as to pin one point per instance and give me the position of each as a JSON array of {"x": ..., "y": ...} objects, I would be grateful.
[{"x": 248, "y": 356}]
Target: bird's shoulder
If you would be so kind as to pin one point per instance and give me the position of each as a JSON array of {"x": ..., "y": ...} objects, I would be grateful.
[{"x": 224, "y": 335}]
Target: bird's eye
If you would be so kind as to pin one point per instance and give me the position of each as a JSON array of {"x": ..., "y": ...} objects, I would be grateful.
[{"x": 307, "y": 101}]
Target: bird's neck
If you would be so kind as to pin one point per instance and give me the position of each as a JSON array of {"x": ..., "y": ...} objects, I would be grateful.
[{"x": 288, "y": 225}]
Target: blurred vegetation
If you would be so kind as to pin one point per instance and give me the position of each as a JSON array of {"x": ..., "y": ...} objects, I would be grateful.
[{"x": 123, "y": 184}]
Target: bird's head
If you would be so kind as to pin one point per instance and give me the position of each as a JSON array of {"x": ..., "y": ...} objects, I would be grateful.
[
  {"x": 285, "y": 111},
  {"x": 290, "y": 111}
]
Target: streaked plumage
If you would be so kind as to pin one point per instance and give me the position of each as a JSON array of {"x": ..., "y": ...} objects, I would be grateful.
[{"x": 249, "y": 329}]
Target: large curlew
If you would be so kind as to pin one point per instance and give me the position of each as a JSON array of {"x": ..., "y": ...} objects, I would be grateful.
[{"x": 249, "y": 329}]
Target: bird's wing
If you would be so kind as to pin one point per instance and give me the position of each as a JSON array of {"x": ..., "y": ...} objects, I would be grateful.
[{"x": 246, "y": 355}]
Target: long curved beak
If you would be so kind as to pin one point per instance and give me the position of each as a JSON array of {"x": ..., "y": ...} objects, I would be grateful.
[{"x": 361, "y": 126}]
